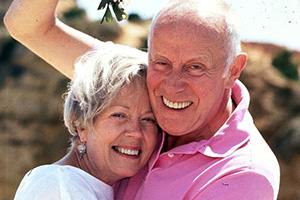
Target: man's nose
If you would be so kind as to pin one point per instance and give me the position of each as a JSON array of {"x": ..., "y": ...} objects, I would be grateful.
[{"x": 174, "y": 82}]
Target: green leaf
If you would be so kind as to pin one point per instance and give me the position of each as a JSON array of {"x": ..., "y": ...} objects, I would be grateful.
[
  {"x": 102, "y": 4},
  {"x": 120, "y": 14},
  {"x": 107, "y": 15}
]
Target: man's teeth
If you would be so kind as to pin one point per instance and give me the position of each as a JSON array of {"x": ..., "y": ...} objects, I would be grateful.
[
  {"x": 127, "y": 151},
  {"x": 176, "y": 105}
]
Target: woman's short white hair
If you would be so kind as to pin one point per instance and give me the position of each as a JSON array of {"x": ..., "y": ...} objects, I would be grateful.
[{"x": 99, "y": 76}]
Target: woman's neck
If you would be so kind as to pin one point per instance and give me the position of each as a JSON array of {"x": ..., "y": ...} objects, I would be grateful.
[{"x": 73, "y": 159}]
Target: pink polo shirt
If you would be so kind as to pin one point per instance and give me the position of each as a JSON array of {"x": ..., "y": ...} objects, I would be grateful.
[{"x": 235, "y": 164}]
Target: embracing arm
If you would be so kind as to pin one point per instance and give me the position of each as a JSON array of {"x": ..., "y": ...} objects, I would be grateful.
[{"x": 34, "y": 24}]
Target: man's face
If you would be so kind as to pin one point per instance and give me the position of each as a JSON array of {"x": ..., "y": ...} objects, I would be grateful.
[{"x": 185, "y": 79}]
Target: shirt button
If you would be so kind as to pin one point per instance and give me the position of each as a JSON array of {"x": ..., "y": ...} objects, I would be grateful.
[{"x": 171, "y": 155}]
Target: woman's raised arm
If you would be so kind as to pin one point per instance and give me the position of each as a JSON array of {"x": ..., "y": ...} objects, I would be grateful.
[{"x": 34, "y": 24}]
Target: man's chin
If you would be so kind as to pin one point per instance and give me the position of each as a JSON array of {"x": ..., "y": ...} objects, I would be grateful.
[{"x": 175, "y": 130}]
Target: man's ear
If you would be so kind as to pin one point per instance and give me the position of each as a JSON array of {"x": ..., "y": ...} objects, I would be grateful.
[
  {"x": 236, "y": 68},
  {"x": 82, "y": 133}
]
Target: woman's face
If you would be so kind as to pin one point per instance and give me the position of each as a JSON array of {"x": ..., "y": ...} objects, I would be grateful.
[{"x": 125, "y": 135}]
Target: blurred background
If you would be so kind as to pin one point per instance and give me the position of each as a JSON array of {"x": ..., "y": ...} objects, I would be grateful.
[{"x": 31, "y": 104}]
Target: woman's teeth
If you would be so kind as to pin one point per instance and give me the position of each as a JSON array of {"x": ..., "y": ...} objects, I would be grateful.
[{"x": 129, "y": 152}]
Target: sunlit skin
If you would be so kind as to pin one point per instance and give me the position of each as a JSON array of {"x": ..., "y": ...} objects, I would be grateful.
[
  {"x": 187, "y": 64},
  {"x": 128, "y": 123}
]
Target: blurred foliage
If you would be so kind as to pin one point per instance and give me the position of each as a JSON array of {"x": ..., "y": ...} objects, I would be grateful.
[
  {"x": 144, "y": 46},
  {"x": 74, "y": 13},
  {"x": 282, "y": 62},
  {"x": 8, "y": 69},
  {"x": 133, "y": 17},
  {"x": 286, "y": 142},
  {"x": 7, "y": 48}
]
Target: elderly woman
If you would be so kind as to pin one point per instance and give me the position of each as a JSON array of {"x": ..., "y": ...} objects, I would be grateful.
[{"x": 107, "y": 110}]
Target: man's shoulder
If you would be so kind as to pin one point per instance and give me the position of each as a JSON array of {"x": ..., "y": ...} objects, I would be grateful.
[{"x": 256, "y": 157}]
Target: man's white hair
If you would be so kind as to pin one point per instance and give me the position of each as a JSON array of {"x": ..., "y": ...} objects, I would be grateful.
[{"x": 211, "y": 12}]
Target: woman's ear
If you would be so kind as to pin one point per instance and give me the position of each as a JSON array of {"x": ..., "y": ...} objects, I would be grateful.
[
  {"x": 236, "y": 68},
  {"x": 82, "y": 133}
]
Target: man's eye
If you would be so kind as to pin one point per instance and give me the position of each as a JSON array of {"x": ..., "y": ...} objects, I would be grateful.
[
  {"x": 196, "y": 70},
  {"x": 161, "y": 63},
  {"x": 196, "y": 67}
]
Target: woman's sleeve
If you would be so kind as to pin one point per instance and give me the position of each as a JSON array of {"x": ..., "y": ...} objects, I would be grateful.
[{"x": 54, "y": 186}]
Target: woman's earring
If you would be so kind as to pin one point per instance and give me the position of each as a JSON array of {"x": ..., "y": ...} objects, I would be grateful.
[{"x": 81, "y": 149}]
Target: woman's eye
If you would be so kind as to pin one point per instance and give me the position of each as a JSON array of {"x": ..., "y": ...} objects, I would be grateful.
[
  {"x": 149, "y": 120},
  {"x": 118, "y": 115}
]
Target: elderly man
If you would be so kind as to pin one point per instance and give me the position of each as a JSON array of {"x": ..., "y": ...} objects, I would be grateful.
[{"x": 211, "y": 149}]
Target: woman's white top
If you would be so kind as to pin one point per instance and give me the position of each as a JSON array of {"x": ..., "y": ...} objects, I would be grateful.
[{"x": 55, "y": 182}]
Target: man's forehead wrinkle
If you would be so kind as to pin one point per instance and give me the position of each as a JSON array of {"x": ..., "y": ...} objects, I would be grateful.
[
  {"x": 203, "y": 7},
  {"x": 206, "y": 16},
  {"x": 186, "y": 28},
  {"x": 201, "y": 14},
  {"x": 184, "y": 20}
]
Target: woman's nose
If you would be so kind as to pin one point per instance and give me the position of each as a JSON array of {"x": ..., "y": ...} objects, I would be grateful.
[{"x": 134, "y": 129}]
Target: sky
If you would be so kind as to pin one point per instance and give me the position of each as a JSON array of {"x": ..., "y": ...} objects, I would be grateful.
[{"x": 270, "y": 21}]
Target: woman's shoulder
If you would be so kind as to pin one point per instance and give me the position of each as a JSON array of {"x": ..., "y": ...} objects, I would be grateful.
[
  {"x": 53, "y": 173},
  {"x": 40, "y": 182},
  {"x": 43, "y": 170},
  {"x": 61, "y": 182}
]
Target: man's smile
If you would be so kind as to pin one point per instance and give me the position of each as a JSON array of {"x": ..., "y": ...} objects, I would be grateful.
[{"x": 176, "y": 105}]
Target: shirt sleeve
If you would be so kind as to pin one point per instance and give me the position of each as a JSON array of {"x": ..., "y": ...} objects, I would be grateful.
[
  {"x": 54, "y": 186},
  {"x": 246, "y": 185}
]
